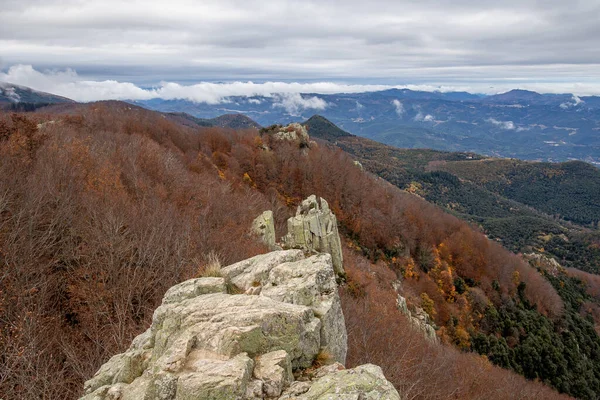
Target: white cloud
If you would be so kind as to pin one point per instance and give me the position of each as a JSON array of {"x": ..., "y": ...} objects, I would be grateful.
[
  {"x": 254, "y": 101},
  {"x": 399, "y": 107},
  {"x": 420, "y": 117},
  {"x": 10, "y": 93},
  {"x": 575, "y": 101},
  {"x": 507, "y": 125},
  {"x": 295, "y": 103},
  {"x": 68, "y": 83}
]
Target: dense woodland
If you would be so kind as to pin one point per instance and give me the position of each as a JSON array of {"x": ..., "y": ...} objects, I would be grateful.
[
  {"x": 526, "y": 206},
  {"x": 104, "y": 206}
]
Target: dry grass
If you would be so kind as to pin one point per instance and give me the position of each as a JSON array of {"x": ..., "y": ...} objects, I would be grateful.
[{"x": 212, "y": 268}]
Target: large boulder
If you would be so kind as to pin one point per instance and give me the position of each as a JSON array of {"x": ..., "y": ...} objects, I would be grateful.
[
  {"x": 205, "y": 343},
  {"x": 314, "y": 229}
]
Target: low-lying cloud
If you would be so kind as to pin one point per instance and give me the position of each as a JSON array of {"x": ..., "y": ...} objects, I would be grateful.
[
  {"x": 575, "y": 101},
  {"x": 399, "y": 107},
  {"x": 507, "y": 125},
  {"x": 295, "y": 103},
  {"x": 10, "y": 93},
  {"x": 420, "y": 117},
  {"x": 68, "y": 83}
]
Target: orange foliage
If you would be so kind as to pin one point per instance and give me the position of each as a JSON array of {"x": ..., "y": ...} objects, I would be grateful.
[{"x": 378, "y": 333}]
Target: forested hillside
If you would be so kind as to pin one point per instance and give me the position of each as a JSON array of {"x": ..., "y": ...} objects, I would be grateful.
[
  {"x": 105, "y": 206},
  {"x": 487, "y": 192},
  {"x": 525, "y": 206},
  {"x": 567, "y": 190}
]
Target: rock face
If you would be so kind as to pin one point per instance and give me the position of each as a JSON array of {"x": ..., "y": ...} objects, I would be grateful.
[
  {"x": 548, "y": 264},
  {"x": 293, "y": 132},
  {"x": 264, "y": 227},
  {"x": 314, "y": 229},
  {"x": 418, "y": 319},
  {"x": 288, "y": 277},
  {"x": 207, "y": 344}
]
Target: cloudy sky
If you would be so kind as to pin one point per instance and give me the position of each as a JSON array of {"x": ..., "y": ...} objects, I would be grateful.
[{"x": 206, "y": 49}]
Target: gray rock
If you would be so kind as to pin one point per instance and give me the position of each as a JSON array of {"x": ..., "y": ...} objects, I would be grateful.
[
  {"x": 214, "y": 379},
  {"x": 211, "y": 330},
  {"x": 314, "y": 229},
  {"x": 264, "y": 227},
  {"x": 254, "y": 271},
  {"x": 545, "y": 263},
  {"x": 275, "y": 371},
  {"x": 293, "y": 133},
  {"x": 288, "y": 277},
  {"x": 365, "y": 382},
  {"x": 254, "y": 389},
  {"x": 122, "y": 368},
  {"x": 419, "y": 319},
  {"x": 194, "y": 288},
  {"x": 311, "y": 282},
  {"x": 206, "y": 344}
]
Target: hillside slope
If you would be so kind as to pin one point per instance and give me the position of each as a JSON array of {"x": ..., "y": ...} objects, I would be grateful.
[
  {"x": 107, "y": 207},
  {"x": 527, "y": 206}
]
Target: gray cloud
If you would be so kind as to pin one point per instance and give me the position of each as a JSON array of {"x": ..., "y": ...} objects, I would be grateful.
[{"x": 484, "y": 44}]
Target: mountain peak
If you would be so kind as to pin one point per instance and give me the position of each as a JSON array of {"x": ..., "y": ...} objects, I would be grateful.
[
  {"x": 320, "y": 127},
  {"x": 235, "y": 121}
]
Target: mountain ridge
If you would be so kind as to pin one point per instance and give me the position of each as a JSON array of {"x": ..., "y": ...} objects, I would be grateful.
[{"x": 12, "y": 94}]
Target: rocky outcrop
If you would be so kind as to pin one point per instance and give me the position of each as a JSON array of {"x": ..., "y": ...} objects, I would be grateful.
[
  {"x": 205, "y": 343},
  {"x": 264, "y": 227},
  {"x": 314, "y": 229},
  {"x": 292, "y": 132},
  {"x": 288, "y": 277},
  {"x": 419, "y": 319},
  {"x": 544, "y": 263}
]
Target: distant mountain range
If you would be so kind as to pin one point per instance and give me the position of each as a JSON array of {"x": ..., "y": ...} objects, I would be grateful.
[{"x": 519, "y": 123}]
